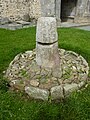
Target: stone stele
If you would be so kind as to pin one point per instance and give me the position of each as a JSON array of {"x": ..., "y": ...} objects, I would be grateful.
[{"x": 47, "y": 54}]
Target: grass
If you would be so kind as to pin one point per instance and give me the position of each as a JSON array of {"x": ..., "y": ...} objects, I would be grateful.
[{"x": 14, "y": 106}]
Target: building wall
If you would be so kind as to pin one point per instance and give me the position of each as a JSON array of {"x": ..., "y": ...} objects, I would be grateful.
[
  {"x": 14, "y": 9},
  {"x": 20, "y": 9},
  {"x": 68, "y": 8},
  {"x": 33, "y": 9},
  {"x": 47, "y": 7},
  {"x": 83, "y": 11}
]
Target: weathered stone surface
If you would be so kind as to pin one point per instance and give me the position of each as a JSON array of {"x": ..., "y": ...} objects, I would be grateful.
[
  {"x": 34, "y": 83},
  {"x": 48, "y": 83},
  {"x": 68, "y": 88},
  {"x": 26, "y": 17},
  {"x": 20, "y": 10},
  {"x": 13, "y": 26},
  {"x": 4, "y": 21},
  {"x": 47, "y": 8},
  {"x": 17, "y": 84},
  {"x": 23, "y": 22},
  {"x": 82, "y": 11},
  {"x": 30, "y": 53},
  {"x": 34, "y": 9},
  {"x": 46, "y": 30},
  {"x": 37, "y": 93},
  {"x": 80, "y": 85},
  {"x": 76, "y": 10},
  {"x": 47, "y": 55},
  {"x": 56, "y": 92},
  {"x": 57, "y": 71}
]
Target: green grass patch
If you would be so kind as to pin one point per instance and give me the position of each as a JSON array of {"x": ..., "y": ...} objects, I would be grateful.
[
  {"x": 14, "y": 106},
  {"x": 75, "y": 40}
]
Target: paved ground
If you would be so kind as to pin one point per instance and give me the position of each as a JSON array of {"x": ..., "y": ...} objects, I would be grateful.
[
  {"x": 69, "y": 24},
  {"x": 84, "y": 28},
  {"x": 17, "y": 25},
  {"x": 75, "y": 25}
]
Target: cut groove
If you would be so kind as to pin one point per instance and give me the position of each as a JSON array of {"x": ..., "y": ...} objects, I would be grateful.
[{"x": 46, "y": 43}]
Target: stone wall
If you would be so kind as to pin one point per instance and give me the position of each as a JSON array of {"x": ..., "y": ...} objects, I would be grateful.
[
  {"x": 83, "y": 11},
  {"x": 14, "y": 9},
  {"x": 77, "y": 10},
  {"x": 33, "y": 9},
  {"x": 20, "y": 9},
  {"x": 23, "y": 9}
]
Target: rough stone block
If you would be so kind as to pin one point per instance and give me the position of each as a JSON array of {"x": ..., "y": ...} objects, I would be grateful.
[
  {"x": 26, "y": 17},
  {"x": 57, "y": 92},
  {"x": 37, "y": 93},
  {"x": 68, "y": 88},
  {"x": 23, "y": 22},
  {"x": 4, "y": 21},
  {"x": 14, "y": 26},
  {"x": 80, "y": 85}
]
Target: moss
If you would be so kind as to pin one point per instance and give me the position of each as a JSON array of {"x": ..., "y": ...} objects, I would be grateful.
[
  {"x": 23, "y": 73},
  {"x": 67, "y": 73}
]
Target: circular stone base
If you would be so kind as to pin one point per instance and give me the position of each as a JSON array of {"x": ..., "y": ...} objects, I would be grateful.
[{"x": 39, "y": 83}]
